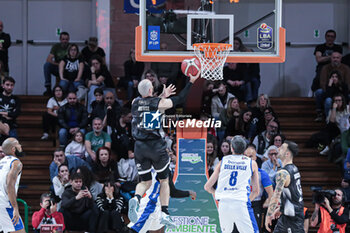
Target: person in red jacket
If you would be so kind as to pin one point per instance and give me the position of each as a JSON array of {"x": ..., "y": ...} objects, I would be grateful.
[{"x": 47, "y": 214}]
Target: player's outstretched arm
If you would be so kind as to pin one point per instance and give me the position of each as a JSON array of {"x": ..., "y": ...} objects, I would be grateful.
[
  {"x": 212, "y": 180},
  {"x": 166, "y": 103},
  {"x": 282, "y": 180},
  {"x": 255, "y": 182},
  {"x": 16, "y": 168},
  {"x": 168, "y": 91}
]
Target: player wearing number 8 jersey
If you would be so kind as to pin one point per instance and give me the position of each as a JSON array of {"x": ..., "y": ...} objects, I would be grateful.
[
  {"x": 238, "y": 184},
  {"x": 288, "y": 190}
]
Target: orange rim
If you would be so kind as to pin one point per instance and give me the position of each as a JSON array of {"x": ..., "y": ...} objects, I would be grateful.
[{"x": 220, "y": 46}]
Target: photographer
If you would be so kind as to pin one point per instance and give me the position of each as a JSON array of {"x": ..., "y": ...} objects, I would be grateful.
[
  {"x": 47, "y": 214},
  {"x": 331, "y": 214}
]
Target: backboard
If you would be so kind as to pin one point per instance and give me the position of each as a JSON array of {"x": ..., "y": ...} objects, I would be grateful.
[{"x": 168, "y": 34}]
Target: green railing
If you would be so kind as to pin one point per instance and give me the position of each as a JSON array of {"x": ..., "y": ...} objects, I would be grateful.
[{"x": 26, "y": 211}]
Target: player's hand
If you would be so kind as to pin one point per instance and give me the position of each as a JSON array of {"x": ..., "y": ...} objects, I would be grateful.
[
  {"x": 168, "y": 91},
  {"x": 268, "y": 223},
  {"x": 15, "y": 217},
  {"x": 87, "y": 194},
  {"x": 193, "y": 194},
  {"x": 194, "y": 78}
]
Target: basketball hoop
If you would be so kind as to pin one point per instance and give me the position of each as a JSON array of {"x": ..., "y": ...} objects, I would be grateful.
[{"x": 212, "y": 57}]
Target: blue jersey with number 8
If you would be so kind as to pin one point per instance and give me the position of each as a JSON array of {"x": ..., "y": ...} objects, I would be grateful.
[{"x": 234, "y": 178}]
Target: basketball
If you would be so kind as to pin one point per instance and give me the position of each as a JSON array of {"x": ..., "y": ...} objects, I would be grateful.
[{"x": 190, "y": 66}]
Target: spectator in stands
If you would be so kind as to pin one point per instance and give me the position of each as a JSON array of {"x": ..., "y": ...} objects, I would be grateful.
[
  {"x": 57, "y": 53},
  {"x": 77, "y": 146},
  {"x": 72, "y": 117},
  {"x": 99, "y": 100},
  {"x": 258, "y": 117},
  {"x": 122, "y": 140},
  {"x": 335, "y": 86},
  {"x": 132, "y": 74},
  {"x": 78, "y": 207},
  {"x": 339, "y": 114},
  {"x": 212, "y": 158},
  {"x": 110, "y": 205},
  {"x": 253, "y": 73},
  {"x": 92, "y": 49},
  {"x": 220, "y": 100},
  {"x": 169, "y": 70},
  {"x": 251, "y": 153},
  {"x": 71, "y": 69},
  {"x": 50, "y": 119},
  {"x": 227, "y": 114},
  {"x": 59, "y": 158},
  {"x": 110, "y": 108},
  {"x": 99, "y": 78},
  {"x": 10, "y": 108},
  {"x": 96, "y": 139},
  {"x": 277, "y": 140},
  {"x": 5, "y": 43},
  {"x": 89, "y": 180},
  {"x": 240, "y": 125},
  {"x": 273, "y": 163},
  {"x": 61, "y": 181},
  {"x": 337, "y": 123},
  {"x": 331, "y": 215},
  {"x": 207, "y": 96},
  {"x": 152, "y": 76},
  {"x": 344, "y": 73},
  {"x": 323, "y": 54},
  {"x": 265, "y": 184},
  {"x": 47, "y": 214},
  {"x": 225, "y": 149},
  {"x": 269, "y": 115},
  {"x": 105, "y": 168},
  {"x": 262, "y": 140},
  {"x": 236, "y": 76}
]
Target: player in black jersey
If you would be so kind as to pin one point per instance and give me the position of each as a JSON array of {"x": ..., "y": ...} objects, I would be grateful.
[
  {"x": 150, "y": 147},
  {"x": 288, "y": 190}
]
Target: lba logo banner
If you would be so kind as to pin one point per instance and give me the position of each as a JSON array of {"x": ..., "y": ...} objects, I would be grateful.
[{"x": 152, "y": 120}]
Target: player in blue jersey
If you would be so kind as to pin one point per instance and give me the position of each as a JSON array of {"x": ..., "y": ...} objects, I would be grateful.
[
  {"x": 149, "y": 213},
  {"x": 237, "y": 180}
]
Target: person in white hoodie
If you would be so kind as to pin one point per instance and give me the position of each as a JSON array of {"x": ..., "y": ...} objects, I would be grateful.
[{"x": 77, "y": 146}]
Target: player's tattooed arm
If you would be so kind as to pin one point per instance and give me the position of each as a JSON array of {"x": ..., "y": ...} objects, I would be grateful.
[
  {"x": 16, "y": 168},
  {"x": 212, "y": 180},
  {"x": 282, "y": 180}
]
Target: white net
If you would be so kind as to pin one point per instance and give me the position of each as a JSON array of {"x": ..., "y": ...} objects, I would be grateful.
[{"x": 212, "y": 57}]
